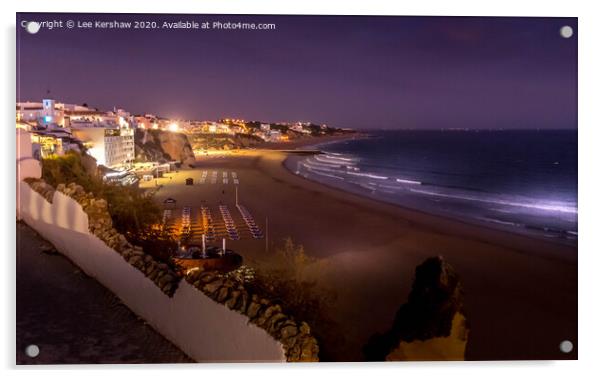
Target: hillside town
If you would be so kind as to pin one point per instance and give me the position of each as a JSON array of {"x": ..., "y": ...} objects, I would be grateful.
[{"x": 128, "y": 147}]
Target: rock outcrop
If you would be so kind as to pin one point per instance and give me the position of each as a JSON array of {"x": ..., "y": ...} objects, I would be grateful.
[
  {"x": 431, "y": 325},
  {"x": 160, "y": 145},
  {"x": 223, "y": 141}
]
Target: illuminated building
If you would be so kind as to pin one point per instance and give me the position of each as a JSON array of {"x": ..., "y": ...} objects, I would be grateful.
[
  {"x": 274, "y": 136},
  {"x": 46, "y": 144},
  {"x": 45, "y": 113},
  {"x": 110, "y": 146}
]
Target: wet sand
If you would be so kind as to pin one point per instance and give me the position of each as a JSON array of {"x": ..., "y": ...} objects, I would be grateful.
[{"x": 520, "y": 292}]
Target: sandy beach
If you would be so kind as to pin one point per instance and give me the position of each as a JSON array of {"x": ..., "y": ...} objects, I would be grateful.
[{"x": 520, "y": 292}]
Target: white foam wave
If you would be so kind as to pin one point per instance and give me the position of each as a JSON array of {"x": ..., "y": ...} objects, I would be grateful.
[
  {"x": 334, "y": 158},
  {"x": 505, "y": 223},
  {"x": 412, "y": 182},
  {"x": 322, "y": 172},
  {"x": 369, "y": 175},
  {"x": 538, "y": 206}
]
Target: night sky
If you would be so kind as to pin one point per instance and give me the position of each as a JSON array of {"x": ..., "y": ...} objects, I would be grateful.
[{"x": 358, "y": 72}]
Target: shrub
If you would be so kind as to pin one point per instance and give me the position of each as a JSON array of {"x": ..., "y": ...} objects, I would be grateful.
[
  {"x": 134, "y": 213},
  {"x": 285, "y": 278},
  {"x": 69, "y": 168},
  {"x": 158, "y": 243}
]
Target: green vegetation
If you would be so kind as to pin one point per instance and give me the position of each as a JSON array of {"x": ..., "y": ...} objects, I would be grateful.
[
  {"x": 286, "y": 277},
  {"x": 134, "y": 213},
  {"x": 253, "y": 125},
  {"x": 70, "y": 168}
]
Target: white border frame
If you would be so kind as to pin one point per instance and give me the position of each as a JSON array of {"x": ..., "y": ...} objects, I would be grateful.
[{"x": 590, "y": 136}]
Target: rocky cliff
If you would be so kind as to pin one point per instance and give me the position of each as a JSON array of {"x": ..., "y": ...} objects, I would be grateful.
[
  {"x": 159, "y": 145},
  {"x": 432, "y": 324},
  {"x": 223, "y": 141}
]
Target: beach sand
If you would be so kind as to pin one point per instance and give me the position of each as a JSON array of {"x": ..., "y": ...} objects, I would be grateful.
[{"x": 520, "y": 292}]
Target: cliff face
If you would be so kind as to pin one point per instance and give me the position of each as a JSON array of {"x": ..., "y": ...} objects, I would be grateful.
[
  {"x": 223, "y": 141},
  {"x": 159, "y": 145},
  {"x": 432, "y": 325}
]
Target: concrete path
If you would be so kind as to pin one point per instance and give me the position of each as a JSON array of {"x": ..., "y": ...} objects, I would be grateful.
[{"x": 72, "y": 318}]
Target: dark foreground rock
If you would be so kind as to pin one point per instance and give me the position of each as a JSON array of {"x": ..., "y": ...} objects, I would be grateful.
[{"x": 431, "y": 325}]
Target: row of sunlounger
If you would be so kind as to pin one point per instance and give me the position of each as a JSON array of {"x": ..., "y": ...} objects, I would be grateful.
[
  {"x": 206, "y": 225},
  {"x": 229, "y": 222},
  {"x": 225, "y": 178},
  {"x": 248, "y": 218}
]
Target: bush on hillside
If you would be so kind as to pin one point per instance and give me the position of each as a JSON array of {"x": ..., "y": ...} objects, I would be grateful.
[
  {"x": 134, "y": 213},
  {"x": 285, "y": 278}
]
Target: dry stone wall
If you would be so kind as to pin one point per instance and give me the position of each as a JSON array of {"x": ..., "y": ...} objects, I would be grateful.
[{"x": 296, "y": 337}]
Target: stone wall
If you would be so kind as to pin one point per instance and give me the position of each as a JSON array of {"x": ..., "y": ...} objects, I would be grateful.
[
  {"x": 40, "y": 186},
  {"x": 296, "y": 337},
  {"x": 101, "y": 226}
]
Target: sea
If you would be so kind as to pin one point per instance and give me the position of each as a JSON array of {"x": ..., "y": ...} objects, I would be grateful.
[{"x": 523, "y": 181}]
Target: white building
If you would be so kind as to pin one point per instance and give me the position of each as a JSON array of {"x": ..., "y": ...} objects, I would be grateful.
[
  {"x": 146, "y": 122},
  {"x": 110, "y": 146},
  {"x": 54, "y": 142},
  {"x": 218, "y": 128},
  {"x": 45, "y": 113},
  {"x": 107, "y": 136},
  {"x": 275, "y": 136}
]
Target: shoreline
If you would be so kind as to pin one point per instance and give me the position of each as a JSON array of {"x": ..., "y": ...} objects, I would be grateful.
[
  {"x": 288, "y": 156},
  {"x": 496, "y": 233},
  {"x": 289, "y": 162},
  {"x": 522, "y": 232}
]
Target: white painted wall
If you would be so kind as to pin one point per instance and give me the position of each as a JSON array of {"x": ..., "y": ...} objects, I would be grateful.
[
  {"x": 200, "y": 327},
  {"x": 27, "y": 166}
]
